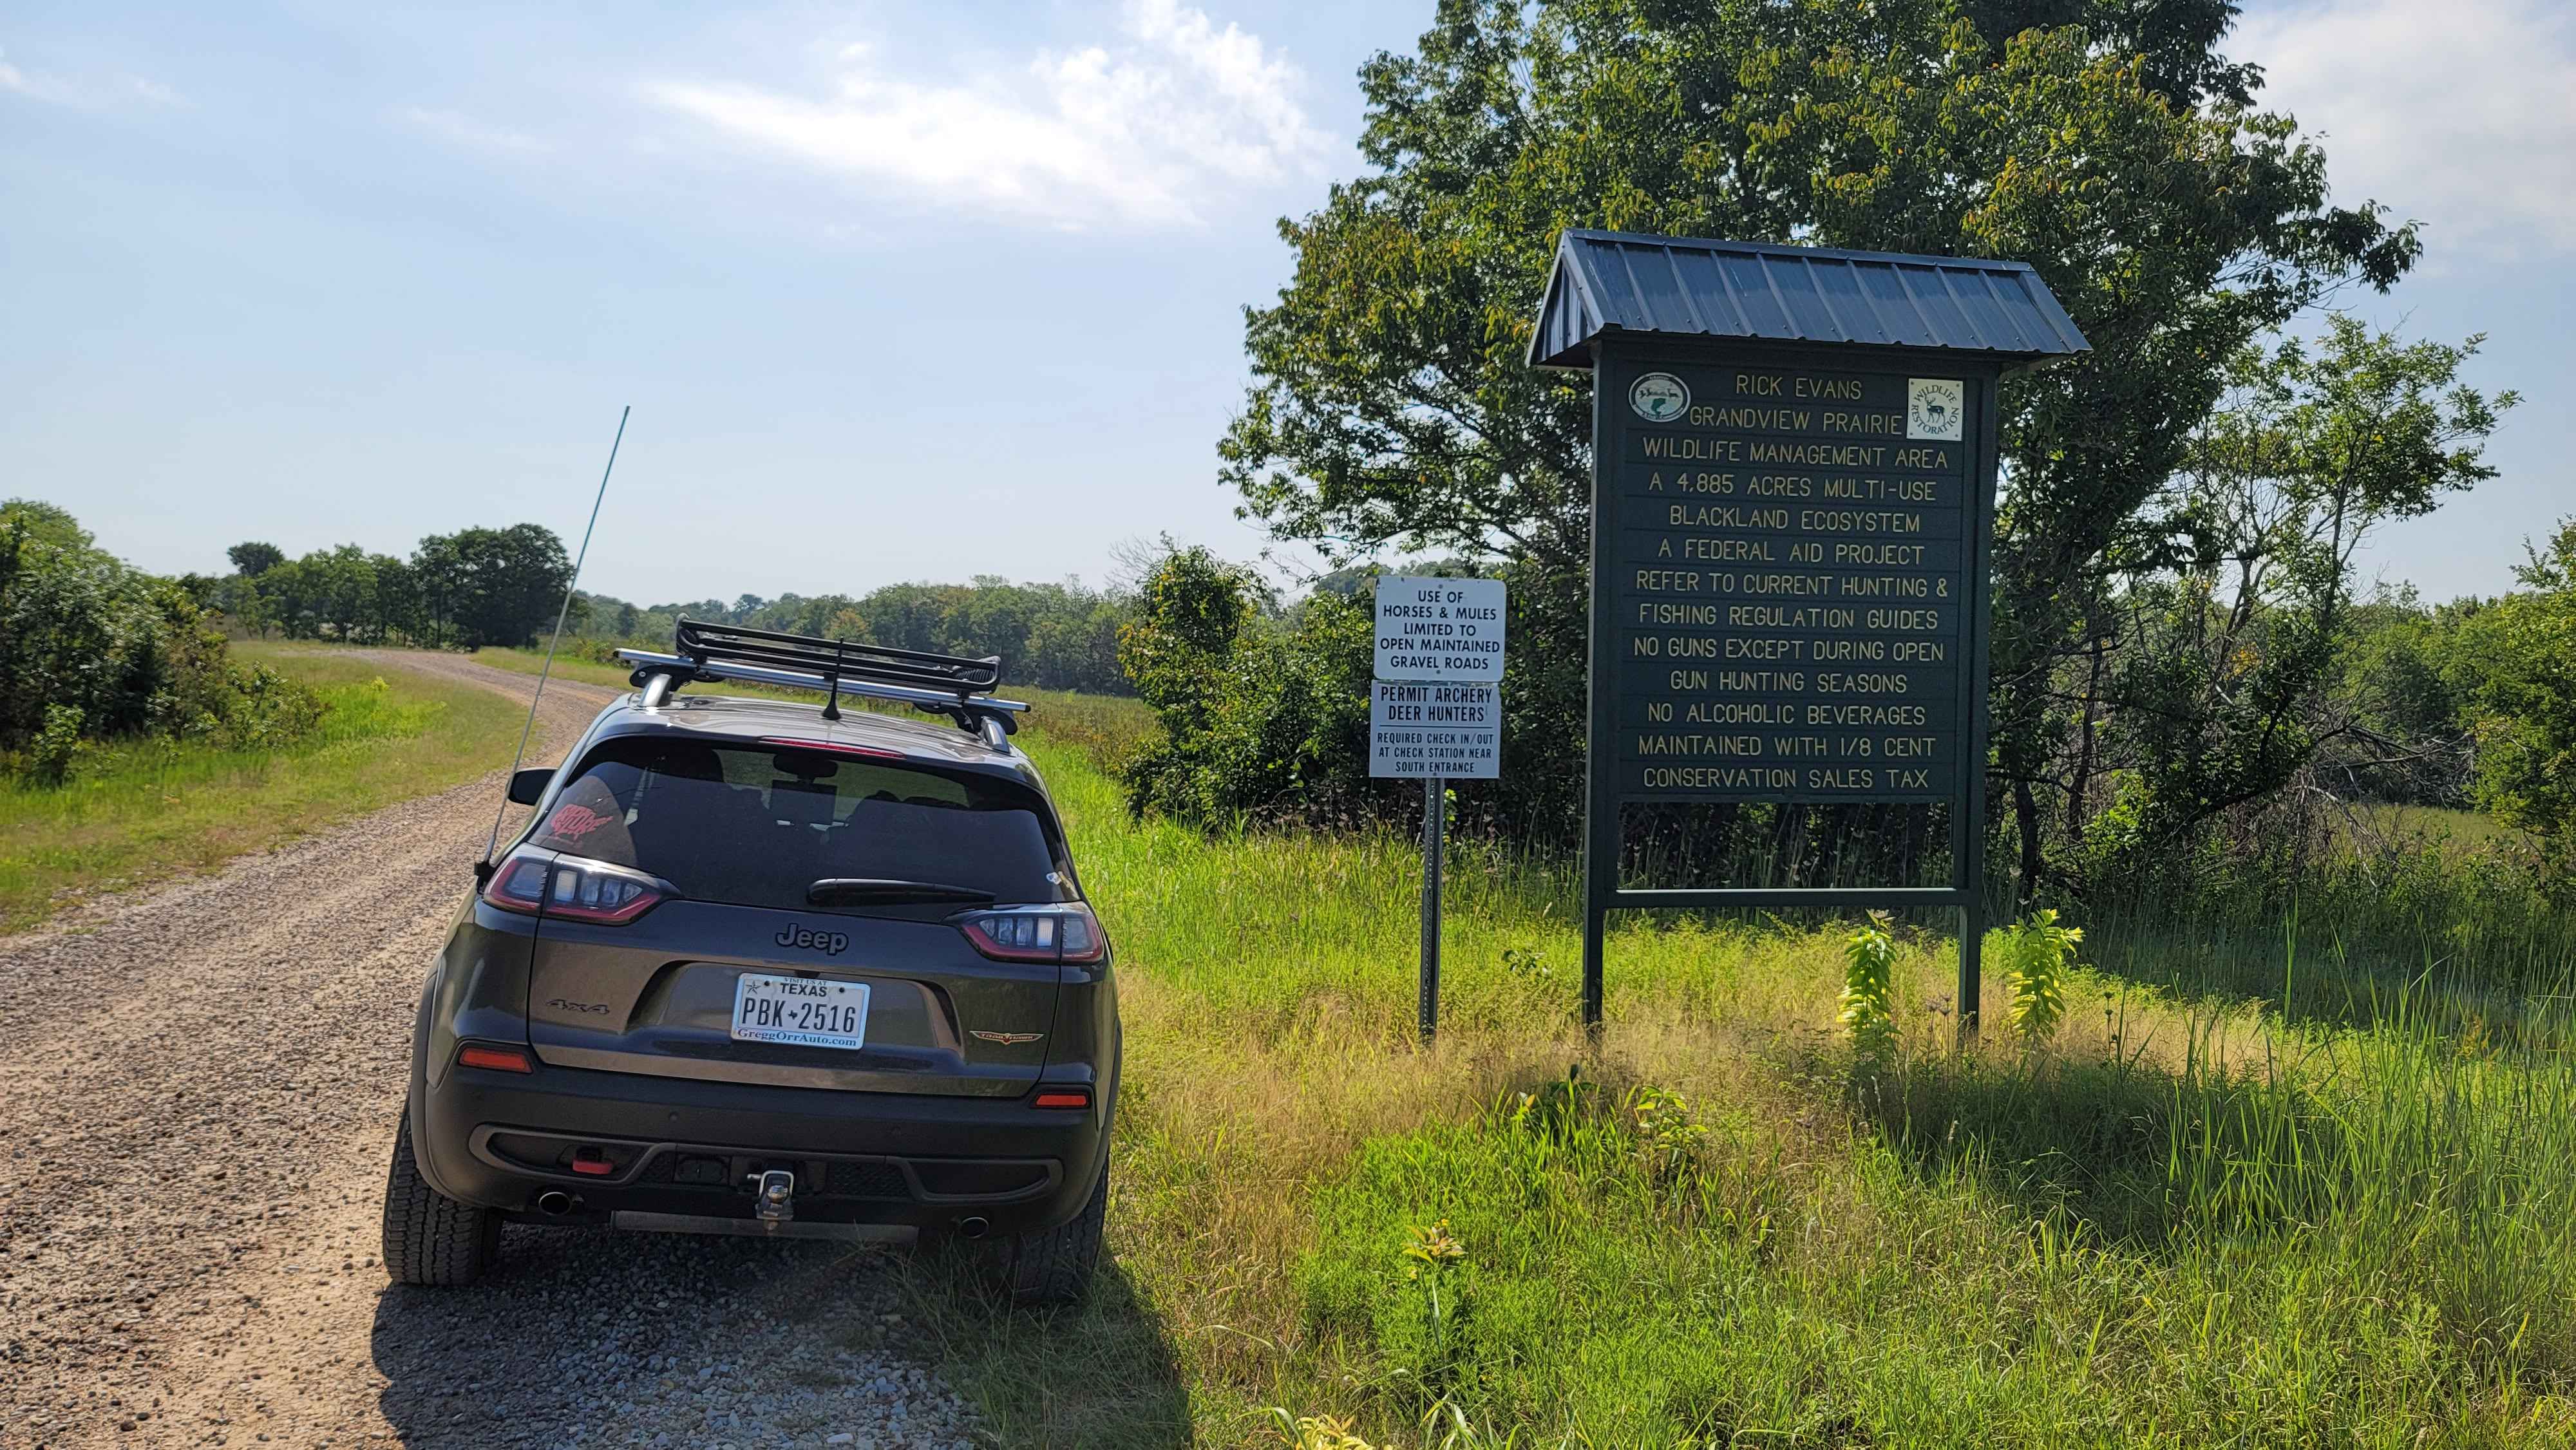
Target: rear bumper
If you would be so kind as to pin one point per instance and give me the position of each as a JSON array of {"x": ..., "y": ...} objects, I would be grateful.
[{"x": 677, "y": 1146}]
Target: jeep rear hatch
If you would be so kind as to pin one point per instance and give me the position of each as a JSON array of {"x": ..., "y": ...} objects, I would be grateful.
[{"x": 801, "y": 913}]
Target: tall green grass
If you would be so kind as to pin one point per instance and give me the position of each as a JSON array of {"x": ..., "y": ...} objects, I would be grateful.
[
  {"x": 2288, "y": 1174},
  {"x": 2191, "y": 1219},
  {"x": 142, "y": 811}
]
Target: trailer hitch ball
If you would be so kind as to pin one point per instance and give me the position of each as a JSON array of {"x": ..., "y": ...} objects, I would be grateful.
[{"x": 777, "y": 1197}]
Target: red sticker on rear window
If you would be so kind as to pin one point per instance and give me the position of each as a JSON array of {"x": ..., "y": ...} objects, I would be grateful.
[{"x": 572, "y": 822}]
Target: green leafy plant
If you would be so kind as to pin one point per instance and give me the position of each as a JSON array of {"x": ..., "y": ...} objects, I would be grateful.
[
  {"x": 1869, "y": 995},
  {"x": 1436, "y": 1258},
  {"x": 1317, "y": 1432},
  {"x": 49, "y": 757},
  {"x": 2038, "y": 951},
  {"x": 1667, "y": 1137}
]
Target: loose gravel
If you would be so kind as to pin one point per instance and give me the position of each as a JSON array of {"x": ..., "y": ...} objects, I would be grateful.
[{"x": 198, "y": 1090}]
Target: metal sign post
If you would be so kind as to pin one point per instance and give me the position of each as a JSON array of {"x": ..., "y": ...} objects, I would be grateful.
[
  {"x": 1435, "y": 808},
  {"x": 1794, "y": 462},
  {"x": 1435, "y": 712}
]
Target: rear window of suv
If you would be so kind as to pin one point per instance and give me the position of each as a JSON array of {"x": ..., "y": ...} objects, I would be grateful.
[{"x": 758, "y": 825}]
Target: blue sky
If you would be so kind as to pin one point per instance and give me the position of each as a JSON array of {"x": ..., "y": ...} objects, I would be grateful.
[{"x": 897, "y": 292}]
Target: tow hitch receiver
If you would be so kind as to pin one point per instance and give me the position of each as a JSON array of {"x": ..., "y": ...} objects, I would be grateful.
[{"x": 777, "y": 1198}]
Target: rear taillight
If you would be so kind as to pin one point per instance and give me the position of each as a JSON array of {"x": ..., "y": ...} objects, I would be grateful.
[
  {"x": 519, "y": 884},
  {"x": 533, "y": 882},
  {"x": 1036, "y": 934}
]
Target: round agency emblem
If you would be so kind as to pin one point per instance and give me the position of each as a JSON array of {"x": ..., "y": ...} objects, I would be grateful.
[
  {"x": 1659, "y": 397},
  {"x": 1935, "y": 409}
]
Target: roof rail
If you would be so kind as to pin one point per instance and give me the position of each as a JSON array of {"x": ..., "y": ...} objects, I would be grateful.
[{"x": 950, "y": 685}]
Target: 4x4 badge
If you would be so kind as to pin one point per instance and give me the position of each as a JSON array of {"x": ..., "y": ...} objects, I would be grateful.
[{"x": 1008, "y": 1039}]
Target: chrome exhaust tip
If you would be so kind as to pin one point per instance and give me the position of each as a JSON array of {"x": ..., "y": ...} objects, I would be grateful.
[
  {"x": 554, "y": 1203},
  {"x": 972, "y": 1228}
]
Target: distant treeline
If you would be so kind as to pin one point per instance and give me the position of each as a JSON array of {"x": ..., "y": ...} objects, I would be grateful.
[
  {"x": 467, "y": 589},
  {"x": 2222, "y": 734},
  {"x": 1058, "y": 636}
]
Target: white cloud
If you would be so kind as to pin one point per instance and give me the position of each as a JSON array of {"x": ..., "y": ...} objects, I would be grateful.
[
  {"x": 466, "y": 131},
  {"x": 1138, "y": 132},
  {"x": 2461, "y": 114},
  {"x": 87, "y": 95}
]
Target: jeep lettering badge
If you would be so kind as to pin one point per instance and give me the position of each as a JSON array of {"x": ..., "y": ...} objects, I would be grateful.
[{"x": 821, "y": 941}]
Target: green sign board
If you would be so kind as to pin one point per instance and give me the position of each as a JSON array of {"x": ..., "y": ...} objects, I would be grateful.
[
  {"x": 1788, "y": 600},
  {"x": 1794, "y": 464},
  {"x": 1790, "y": 566}
]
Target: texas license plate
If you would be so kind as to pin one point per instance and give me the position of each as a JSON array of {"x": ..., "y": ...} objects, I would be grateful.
[{"x": 803, "y": 1011}]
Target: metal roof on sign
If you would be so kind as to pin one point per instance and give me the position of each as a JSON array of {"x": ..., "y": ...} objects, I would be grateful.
[{"x": 1693, "y": 287}]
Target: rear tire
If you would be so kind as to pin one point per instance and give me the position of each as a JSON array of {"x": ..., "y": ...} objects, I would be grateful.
[
  {"x": 430, "y": 1238},
  {"x": 1054, "y": 1266}
]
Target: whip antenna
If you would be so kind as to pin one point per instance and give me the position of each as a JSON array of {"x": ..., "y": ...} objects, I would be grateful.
[{"x": 561, "y": 615}]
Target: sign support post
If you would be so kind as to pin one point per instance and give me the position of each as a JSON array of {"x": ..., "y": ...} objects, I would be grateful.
[{"x": 1435, "y": 809}]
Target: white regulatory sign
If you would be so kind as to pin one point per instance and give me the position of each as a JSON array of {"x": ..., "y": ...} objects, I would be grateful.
[
  {"x": 1420, "y": 728},
  {"x": 1440, "y": 629}
]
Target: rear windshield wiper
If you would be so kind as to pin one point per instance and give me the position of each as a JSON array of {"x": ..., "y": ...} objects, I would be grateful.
[{"x": 855, "y": 890}]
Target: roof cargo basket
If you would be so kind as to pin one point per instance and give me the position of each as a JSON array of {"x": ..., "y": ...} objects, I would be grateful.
[{"x": 951, "y": 685}]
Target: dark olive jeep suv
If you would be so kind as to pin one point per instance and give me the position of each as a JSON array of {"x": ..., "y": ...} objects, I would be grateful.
[{"x": 761, "y": 967}]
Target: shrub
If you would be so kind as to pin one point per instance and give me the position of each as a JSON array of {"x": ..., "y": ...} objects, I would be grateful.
[
  {"x": 269, "y": 710},
  {"x": 2037, "y": 953},
  {"x": 1316, "y": 1432},
  {"x": 1257, "y": 719},
  {"x": 90, "y": 649},
  {"x": 1266, "y": 717},
  {"x": 1869, "y": 997},
  {"x": 50, "y": 760}
]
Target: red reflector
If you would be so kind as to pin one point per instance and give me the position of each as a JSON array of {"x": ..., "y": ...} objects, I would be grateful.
[
  {"x": 595, "y": 1167},
  {"x": 503, "y": 1059},
  {"x": 1065, "y": 1098}
]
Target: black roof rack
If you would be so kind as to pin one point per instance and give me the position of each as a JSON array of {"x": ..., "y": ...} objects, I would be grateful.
[
  {"x": 815, "y": 655},
  {"x": 951, "y": 685}
]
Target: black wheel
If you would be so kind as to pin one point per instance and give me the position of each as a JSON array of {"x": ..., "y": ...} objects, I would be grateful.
[
  {"x": 1054, "y": 1266},
  {"x": 430, "y": 1238}
]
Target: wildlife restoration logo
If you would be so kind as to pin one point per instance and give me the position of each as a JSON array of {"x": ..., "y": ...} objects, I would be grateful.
[
  {"x": 1934, "y": 409},
  {"x": 1659, "y": 398}
]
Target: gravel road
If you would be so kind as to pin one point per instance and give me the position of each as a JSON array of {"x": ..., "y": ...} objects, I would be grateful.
[{"x": 198, "y": 1090}]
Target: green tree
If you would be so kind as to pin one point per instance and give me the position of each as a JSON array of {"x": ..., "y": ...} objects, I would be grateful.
[
  {"x": 253, "y": 558},
  {"x": 2225, "y": 672},
  {"x": 494, "y": 586},
  {"x": 1259, "y": 718},
  {"x": 2416, "y": 677},
  {"x": 1195, "y": 609},
  {"x": 2527, "y": 766},
  {"x": 2105, "y": 143},
  {"x": 44, "y": 523}
]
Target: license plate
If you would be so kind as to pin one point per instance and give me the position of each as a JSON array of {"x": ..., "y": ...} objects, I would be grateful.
[{"x": 803, "y": 1011}]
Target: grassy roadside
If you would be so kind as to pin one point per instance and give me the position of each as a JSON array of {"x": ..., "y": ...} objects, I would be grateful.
[
  {"x": 150, "y": 810},
  {"x": 2182, "y": 1223}
]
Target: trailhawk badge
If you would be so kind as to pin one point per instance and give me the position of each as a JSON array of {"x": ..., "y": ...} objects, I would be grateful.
[
  {"x": 1659, "y": 398},
  {"x": 1934, "y": 409}
]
